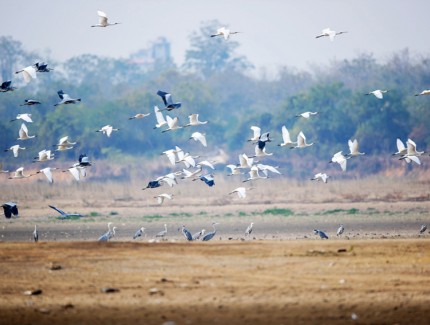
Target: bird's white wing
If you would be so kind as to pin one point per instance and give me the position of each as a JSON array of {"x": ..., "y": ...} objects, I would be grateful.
[
  {"x": 75, "y": 173},
  {"x": 23, "y": 131},
  {"x": 286, "y": 135},
  {"x": 415, "y": 159},
  {"x": 15, "y": 150},
  {"x": 199, "y": 137},
  {"x": 208, "y": 164},
  {"x": 102, "y": 18},
  {"x": 48, "y": 173},
  {"x": 109, "y": 130},
  {"x": 378, "y": 94},
  {"x": 171, "y": 155},
  {"x": 159, "y": 116},
  {"x": 193, "y": 118},
  {"x": 257, "y": 131},
  {"x": 29, "y": 73},
  {"x": 400, "y": 145}
]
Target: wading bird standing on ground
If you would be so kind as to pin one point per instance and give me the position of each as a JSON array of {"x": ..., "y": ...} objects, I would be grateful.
[
  {"x": 320, "y": 233},
  {"x": 211, "y": 234},
  {"x": 249, "y": 229},
  {"x": 139, "y": 232},
  {"x": 35, "y": 234},
  {"x": 423, "y": 229},
  {"x": 186, "y": 234},
  {"x": 197, "y": 235},
  {"x": 340, "y": 230},
  {"x": 162, "y": 233}
]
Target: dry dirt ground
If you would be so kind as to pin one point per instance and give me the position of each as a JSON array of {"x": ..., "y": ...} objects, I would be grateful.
[
  {"x": 377, "y": 273},
  {"x": 381, "y": 281}
]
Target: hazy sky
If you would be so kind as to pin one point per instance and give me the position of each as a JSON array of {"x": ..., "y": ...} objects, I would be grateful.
[{"x": 275, "y": 32}]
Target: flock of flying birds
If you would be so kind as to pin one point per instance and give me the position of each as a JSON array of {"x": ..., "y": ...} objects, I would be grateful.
[{"x": 194, "y": 169}]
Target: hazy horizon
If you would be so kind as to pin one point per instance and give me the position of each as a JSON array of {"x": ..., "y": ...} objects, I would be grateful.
[{"x": 275, "y": 33}]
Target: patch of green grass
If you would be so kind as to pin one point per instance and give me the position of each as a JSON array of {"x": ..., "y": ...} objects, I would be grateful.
[
  {"x": 242, "y": 214},
  {"x": 279, "y": 212},
  {"x": 94, "y": 214},
  {"x": 228, "y": 215},
  {"x": 69, "y": 218},
  {"x": 333, "y": 211},
  {"x": 202, "y": 213},
  {"x": 113, "y": 213},
  {"x": 154, "y": 216},
  {"x": 353, "y": 211},
  {"x": 182, "y": 214}
]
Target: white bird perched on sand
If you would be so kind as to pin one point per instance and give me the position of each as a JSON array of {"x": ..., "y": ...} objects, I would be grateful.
[
  {"x": 139, "y": 116},
  {"x": 199, "y": 234},
  {"x": 234, "y": 170},
  {"x": 15, "y": 149},
  {"x": 249, "y": 229},
  {"x": 306, "y": 115},
  {"x": 197, "y": 136},
  {"x": 340, "y": 230},
  {"x": 172, "y": 123},
  {"x": 47, "y": 171},
  {"x": 162, "y": 233},
  {"x": 339, "y": 158},
  {"x": 25, "y": 117},
  {"x": 139, "y": 232},
  {"x": 103, "y": 20},
  {"x": 23, "y": 133},
  {"x": 161, "y": 121},
  {"x": 64, "y": 144},
  {"x": 44, "y": 155},
  {"x": 254, "y": 175},
  {"x": 354, "y": 149},
  {"x": 378, "y": 93},
  {"x": 320, "y": 177},
  {"x": 267, "y": 168},
  {"x": 245, "y": 161},
  {"x": 286, "y": 137},
  {"x": 194, "y": 120},
  {"x": 224, "y": 32},
  {"x": 107, "y": 129},
  {"x": 66, "y": 99},
  {"x": 19, "y": 173},
  {"x": 301, "y": 142},
  {"x": 161, "y": 197},
  {"x": 423, "y": 93},
  {"x": 256, "y": 134},
  {"x": 28, "y": 73},
  {"x": 329, "y": 33}
]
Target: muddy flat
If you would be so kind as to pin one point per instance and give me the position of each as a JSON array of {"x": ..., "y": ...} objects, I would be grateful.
[{"x": 385, "y": 281}]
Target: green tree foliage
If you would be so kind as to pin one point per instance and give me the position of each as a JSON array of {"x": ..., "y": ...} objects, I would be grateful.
[
  {"x": 209, "y": 55},
  {"x": 112, "y": 90}
]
